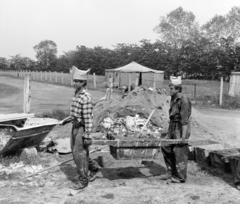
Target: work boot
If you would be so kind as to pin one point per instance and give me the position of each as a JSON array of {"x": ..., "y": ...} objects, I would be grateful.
[
  {"x": 77, "y": 186},
  {"x": 165, "y": 176},
  {"x": 93, "y": 175},
  {"x": 175, "y": 179}
]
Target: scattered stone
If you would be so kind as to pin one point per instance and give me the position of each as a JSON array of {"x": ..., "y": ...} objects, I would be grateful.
[
  {"x": 74, "y": 192},
  {"x": 28, "y": 154},
  {"x": 21, "y": 184},
  {"x": 63, "y": 145}
]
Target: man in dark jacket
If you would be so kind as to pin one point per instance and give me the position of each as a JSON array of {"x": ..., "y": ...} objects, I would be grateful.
[{"x": 176, "y": 156}]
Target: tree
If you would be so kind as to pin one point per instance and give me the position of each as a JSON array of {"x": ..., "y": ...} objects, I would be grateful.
[
  {"x": 46, "y": 53},
  {"x": 20, "y": 63},
  {"x": 227, "y": 26},
  {"x": 3, "y": 63},
  {"x": 177, "y": 27}
]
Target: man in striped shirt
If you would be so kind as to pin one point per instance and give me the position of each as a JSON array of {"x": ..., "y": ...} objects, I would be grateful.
[{"x": 81, "y": 118}]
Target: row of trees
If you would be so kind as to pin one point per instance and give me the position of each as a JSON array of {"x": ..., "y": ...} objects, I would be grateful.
[{"x": 183, "y": 47}]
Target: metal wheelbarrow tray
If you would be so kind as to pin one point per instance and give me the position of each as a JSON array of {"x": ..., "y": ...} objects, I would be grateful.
[
  {"x": 128, "y": 149},
  {"x": 13, "y": 138}
]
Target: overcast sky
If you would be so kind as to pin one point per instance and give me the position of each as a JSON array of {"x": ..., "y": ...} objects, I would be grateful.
[{"x": 25, "y": 23}]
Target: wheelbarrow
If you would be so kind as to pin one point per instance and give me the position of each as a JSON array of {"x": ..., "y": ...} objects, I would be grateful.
[{"x": 14, "y": 135}]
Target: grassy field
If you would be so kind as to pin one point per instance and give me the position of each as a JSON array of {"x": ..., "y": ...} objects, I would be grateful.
[{"x": 202, "y": 92}]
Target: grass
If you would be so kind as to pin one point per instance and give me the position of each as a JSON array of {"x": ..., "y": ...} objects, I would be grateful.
[
  {"x": 205, "y": 93},
  {"x": 228, "y": 102},
  {"x": 6, "y": 90},
  {"x": 56, "y": 114}
]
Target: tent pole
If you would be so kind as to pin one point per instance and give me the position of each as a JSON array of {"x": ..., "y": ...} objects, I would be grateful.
[{"x": 129, "y": 82}]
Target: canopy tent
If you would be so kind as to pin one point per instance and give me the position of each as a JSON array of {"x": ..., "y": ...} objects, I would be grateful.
[
  {"x": 135, "y": 67},
  {"x": 136, "y": 74}
]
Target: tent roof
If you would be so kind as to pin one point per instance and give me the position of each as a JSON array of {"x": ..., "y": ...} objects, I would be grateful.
[{"x": 134, "y": 67}]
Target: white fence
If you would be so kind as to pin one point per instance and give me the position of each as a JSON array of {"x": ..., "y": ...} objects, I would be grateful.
[{"x": 94, "y": 81}]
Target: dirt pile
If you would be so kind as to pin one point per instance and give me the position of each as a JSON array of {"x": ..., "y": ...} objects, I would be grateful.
[
  {"x": 114, "y": 116},
  {"x": 129, "y": 114}
]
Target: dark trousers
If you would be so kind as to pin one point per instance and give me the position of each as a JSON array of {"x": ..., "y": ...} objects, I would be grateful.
[
  {"x": 176, "y": 159},
  {"x": 81, "y": 154}
]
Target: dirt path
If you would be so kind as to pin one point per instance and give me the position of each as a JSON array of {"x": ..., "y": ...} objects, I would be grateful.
[{"x": 120, "y": 182}]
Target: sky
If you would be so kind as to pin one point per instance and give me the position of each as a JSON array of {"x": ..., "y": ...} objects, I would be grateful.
[{"x": 91, "y": 23}]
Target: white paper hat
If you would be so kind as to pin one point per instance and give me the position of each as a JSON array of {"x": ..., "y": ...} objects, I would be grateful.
[
  {"x": 176, "y": 80},
  {"x": 78, "y": 74}
]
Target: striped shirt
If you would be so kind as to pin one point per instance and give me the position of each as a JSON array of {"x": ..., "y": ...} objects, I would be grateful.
[{"x": 81, "y": 109}]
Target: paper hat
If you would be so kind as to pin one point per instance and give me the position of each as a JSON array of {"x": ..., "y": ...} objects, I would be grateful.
[
  {"x": 78, "y": 74},
  {"x": 176, "y": 80}
]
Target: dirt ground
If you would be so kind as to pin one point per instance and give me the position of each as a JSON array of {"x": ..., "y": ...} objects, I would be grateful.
[{"x": 129, "y": 181}]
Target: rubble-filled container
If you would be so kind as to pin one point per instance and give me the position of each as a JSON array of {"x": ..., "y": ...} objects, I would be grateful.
[
  {"x": 220, "y": 159},
  {"x": 235, "y": 165},
  {"x": 136, "y": 149},
  {"x": 202, "y": 152},
  {"x": 197, "y": 143}
]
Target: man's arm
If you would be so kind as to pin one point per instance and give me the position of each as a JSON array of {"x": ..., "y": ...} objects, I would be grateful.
[
  {"x": 184, "y": 113},
  {"x": 66, "y": 120},
  {"x": 87, "y": 115}
]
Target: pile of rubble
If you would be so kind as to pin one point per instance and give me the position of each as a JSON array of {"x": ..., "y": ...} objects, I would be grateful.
[
  {"x": 127, "y": 116},
  {"x": 128, "y": 124}
]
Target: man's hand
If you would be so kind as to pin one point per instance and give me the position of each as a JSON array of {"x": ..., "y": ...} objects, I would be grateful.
[
  {"x": 87, "y": 142},
  {"x": 65, "y": 120},
  {"x": 184, "y": 140}
]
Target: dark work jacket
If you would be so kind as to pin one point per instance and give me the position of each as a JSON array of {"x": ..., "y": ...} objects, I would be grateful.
[{"x": 179, "y": 114}]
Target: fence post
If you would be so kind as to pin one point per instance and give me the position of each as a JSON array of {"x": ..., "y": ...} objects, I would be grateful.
[
  {"x": 55, "y": 76},
  {"x": 195, "y": 90},
  {"x": 221, "y": 91},
  {"x": 154, "y": 81},
  {"x": 62, "y": 77},
  {"x": 26, "y": 94},
  {"x": 94, "y": 80},
  {"x": 129, "y": 82}
]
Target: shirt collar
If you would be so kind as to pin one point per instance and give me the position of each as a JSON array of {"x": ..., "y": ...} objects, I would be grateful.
[
  {"x": 178, "y": 96},
  {"x": 80, "y": 92}
]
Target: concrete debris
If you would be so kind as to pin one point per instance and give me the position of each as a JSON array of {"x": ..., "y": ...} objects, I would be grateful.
[
  {"x": 39, "y": 121},
  {"x": 128, "y": 123},
  {"x": 45, "y": 144},
  {"x": 32, "y": 169},
  {"x": 28, "y": 154},
  {"x": 19, "y": 167},
  {"x": 4, "y": 137},
  {"x": 63, "y": 145}
]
